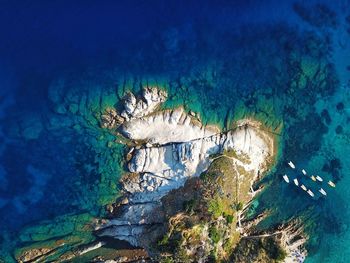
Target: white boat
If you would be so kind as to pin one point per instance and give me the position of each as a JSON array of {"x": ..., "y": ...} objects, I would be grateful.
[
  {"x": 303, "y": 171},
  {"x": 291, "y": 164},
  {"x": 322, "y": 191},
  {"x": 331, "y": 183},
  {"x": 296, "y": 182},
  {"x": 303, "y": 187},
  {"x": 310, "y": 193},
  {"x": 319, "y": 178},
  {"x": 285, "y": 177}
]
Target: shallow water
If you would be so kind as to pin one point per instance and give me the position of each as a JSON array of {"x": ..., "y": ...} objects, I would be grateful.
[{"x": 62, "y": 64}]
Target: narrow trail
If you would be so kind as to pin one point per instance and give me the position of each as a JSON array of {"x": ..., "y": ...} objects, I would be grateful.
[{"x": 263, "y": 235}]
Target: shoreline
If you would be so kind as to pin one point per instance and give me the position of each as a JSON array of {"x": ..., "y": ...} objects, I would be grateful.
[
  {"x": 160, "y": 140},
  {"x": 212, "y": 136}
]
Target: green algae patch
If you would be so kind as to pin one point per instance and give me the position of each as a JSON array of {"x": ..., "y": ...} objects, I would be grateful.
[
  {"x": 60, "y": 226},
  {"x": 52, "y": 238}
]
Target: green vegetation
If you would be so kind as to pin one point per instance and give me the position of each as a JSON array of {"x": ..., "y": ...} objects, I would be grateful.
[
  {"x": 164, "y": 241},
  {"x": 244, "y": 158},
  {"x": 281, "y": 254},
  {"x": 273, "y": 249},
  {"x": 206, "y": 176},
  {"x": 167, "y": 260},
  {"x": 229, "y": 219},
  {"x": 214, "y": 234},
  {"x": 239, "y": 206},
  {"x": 209, "y": 214},
  {"x": 189, "y": 205},
  {"x": 216, "y": 207}
]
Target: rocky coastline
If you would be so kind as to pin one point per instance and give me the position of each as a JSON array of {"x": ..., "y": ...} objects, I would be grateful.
[
  {"x": 170, "y": 155},
  {"x": 186, "y": 191}
]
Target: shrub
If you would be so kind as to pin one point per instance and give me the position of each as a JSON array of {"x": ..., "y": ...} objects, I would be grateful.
[
  {"x": 215, "y": 208},
  {"x": 189, "y": 205},
  {"x": 214, "y": 234},
  {"x": 239, "y": 206},
  {"x": 281, "y": 254},
  {"x": 229, "y": 219}
]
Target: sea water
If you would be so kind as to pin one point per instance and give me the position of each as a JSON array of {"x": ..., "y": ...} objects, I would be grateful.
[{"x": 63, "y": 63}]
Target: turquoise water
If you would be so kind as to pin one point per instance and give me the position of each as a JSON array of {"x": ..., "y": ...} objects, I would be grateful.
[{"x": 283, "y": 63}]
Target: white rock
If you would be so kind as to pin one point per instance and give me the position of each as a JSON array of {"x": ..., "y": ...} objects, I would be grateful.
[{"x": 166, "y": 127}]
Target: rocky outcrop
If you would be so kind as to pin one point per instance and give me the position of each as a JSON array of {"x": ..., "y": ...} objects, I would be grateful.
[
  {"x": 174, "y": 147},
  {"x": 150, "y": 99},
  {"x": 282, "y": 243},
  {"x": 34, "y": 255},
  {"x": 168, "y": 126},
  {"x": 293, "y": 240},
  {"x": 133, "y": 107},
  {"x": 111, "y": 119}
]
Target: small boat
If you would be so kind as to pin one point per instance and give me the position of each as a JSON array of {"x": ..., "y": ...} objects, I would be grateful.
[
  {"x": 319, "y": 178},
  {"x": 303, "y": 187},
  {"x": 313, "y": 178},
  {"x": 322, "y": 191},
  {"x": 296, "y": 182},
  {"x": 285, "y": 177},
  {"x": 331, "y": 183},
  {"x": 303, "y": 171},
  {"x": 291, "y": 165},
  {"x": 310, "y": 193}
]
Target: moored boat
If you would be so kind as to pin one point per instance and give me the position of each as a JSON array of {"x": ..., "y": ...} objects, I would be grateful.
[
  {"x": 303, "y": 171},
  {"x": 310, "y": 193},
  {"x": 319, "y": 178},
  {"x": 322, "y": 191},
  {"x": 296, "y": 182},
  {"x": 331, "y": 183},
  {"x": 285, "y": 177},
  {"x": 313, "y": 178},
  {"x": 303, "y": 187},
  {"x": 291, "y": 164}
]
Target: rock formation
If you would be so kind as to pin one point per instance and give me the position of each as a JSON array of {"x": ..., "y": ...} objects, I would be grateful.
[
  {"x": 171, "y": 148},
  {"x": 150, "y": 99},
  {"x": 111, "y": 119},
  {"x": 185, "y": 194},
  {"x": 282, "y": 243}
]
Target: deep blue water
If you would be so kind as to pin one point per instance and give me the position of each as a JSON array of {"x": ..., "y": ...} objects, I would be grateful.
[{"x": 43, "y": 171}]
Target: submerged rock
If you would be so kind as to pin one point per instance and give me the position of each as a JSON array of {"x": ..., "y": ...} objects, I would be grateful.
[
  {"x": 34, "y": 254},
  {"x": 133, "y": 107},
  {"x": 111, "y": 119}
]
